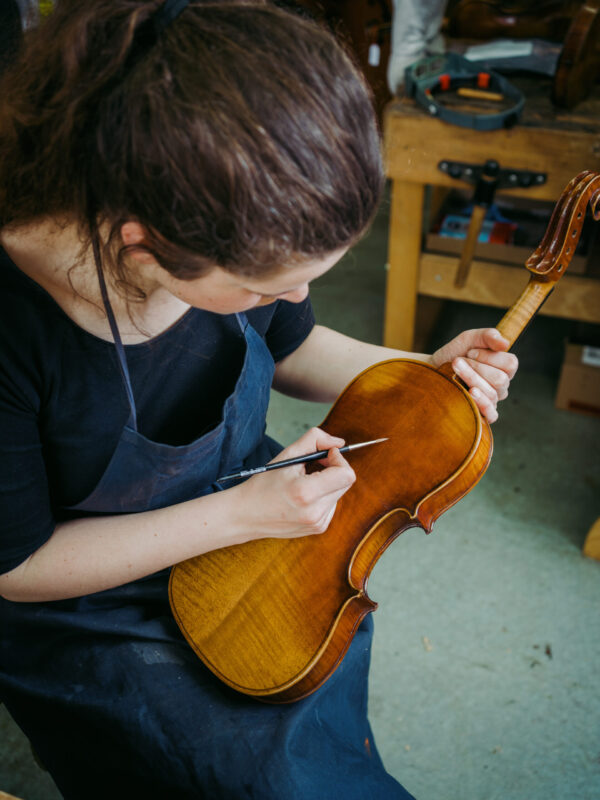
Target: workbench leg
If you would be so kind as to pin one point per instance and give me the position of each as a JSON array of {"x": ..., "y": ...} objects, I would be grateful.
[{"x": 406, "y": 223}]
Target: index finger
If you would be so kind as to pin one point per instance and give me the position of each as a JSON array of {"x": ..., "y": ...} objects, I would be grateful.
[
  {"x": 312, "y": 441},
  {"x": 337, "y": 476}
]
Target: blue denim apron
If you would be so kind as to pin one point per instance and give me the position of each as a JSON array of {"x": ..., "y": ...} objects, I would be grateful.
[{"x": 115, "y": 702}]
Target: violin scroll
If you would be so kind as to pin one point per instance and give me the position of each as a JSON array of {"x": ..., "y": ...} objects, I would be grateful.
[
  {"x": 555, "y": 251},
  {"x": 549, "y": 261}
]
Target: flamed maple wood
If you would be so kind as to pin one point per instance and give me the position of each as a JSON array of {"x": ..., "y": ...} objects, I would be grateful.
[{"x": 273, "y": 618}]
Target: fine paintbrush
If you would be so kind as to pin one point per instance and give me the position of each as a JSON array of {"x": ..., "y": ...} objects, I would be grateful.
[{"x": 246, "y": 473}]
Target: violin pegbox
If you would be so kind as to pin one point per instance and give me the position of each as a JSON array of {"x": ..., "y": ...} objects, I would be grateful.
[{"x": 553, "y": 255}]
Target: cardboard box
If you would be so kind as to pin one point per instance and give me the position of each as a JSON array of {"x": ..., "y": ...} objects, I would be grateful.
[{"x": 579, "y": 383}]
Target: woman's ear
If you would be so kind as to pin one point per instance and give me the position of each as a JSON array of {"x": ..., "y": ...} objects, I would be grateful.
[{"x": 133, "y": 234}]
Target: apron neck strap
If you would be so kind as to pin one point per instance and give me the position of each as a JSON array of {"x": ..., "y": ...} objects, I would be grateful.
[
  {"x": 242, "y": 321},
  {"x": 115, "y": 334},
  {"x": 132, "y": 422}
]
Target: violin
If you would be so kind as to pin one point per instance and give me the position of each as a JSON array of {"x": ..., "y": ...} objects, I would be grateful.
[
  {"x": 578, "y": 67},
  {"x": 273, "y": 618}
]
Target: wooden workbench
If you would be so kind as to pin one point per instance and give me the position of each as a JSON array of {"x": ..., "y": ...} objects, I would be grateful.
[{"x": 556, "y": 142}]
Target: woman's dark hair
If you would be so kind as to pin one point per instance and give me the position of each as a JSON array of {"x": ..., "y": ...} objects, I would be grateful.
[{"x": 244, "y": 137}]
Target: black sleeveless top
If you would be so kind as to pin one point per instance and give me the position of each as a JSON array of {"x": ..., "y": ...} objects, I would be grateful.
[{"x": 63, "y": 404}]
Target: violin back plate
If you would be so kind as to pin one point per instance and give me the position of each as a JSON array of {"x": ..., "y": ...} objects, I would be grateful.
[{"x": 273, "y": 617}]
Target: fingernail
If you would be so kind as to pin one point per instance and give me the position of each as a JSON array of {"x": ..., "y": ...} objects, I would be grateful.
[
  {"x": 476, "y": 394},
  {"x": 460, "y": 365},
  {"x": 474, "y": 354}
]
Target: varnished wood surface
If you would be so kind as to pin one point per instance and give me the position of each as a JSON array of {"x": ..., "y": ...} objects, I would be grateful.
[
  {"x": 550, "y": 260},
  {"x": 274, "y": 617}
]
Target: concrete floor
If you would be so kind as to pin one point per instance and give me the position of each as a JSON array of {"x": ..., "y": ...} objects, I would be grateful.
[{"x": 482, "y": 682}]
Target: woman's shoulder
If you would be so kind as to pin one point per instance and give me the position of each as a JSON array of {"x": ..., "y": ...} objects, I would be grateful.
[
  {"x": 284, "y": 325},
  {"x": 25, "y": 307},
  {"x": 31, "y": 335}
]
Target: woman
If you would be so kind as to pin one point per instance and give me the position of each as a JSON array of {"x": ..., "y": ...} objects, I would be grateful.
[{"x": 172, "y": 178}]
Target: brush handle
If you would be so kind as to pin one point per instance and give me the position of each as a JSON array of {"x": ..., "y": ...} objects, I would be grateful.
[{"x": 288, "y": 462}]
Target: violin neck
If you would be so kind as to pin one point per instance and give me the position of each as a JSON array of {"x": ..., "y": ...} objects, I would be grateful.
[{"x": 525, "y": 307}]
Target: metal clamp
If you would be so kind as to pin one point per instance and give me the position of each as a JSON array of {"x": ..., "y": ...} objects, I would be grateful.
[
  {"x": 488, "y": 178},
  {"x": 506, "y": 178},
  {"x": 427, "y": 79}
]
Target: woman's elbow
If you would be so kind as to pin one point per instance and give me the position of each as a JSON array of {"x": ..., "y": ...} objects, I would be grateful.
[{"x": 13, "y": 585}]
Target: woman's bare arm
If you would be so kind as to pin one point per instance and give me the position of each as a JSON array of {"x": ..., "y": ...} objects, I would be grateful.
[
  {"x": 327, "y": 361},
  {"x": 95, "y": 553}
]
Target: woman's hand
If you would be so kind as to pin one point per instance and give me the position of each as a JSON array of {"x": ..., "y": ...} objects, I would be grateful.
[
  {"x": 479, "y": 359},
  {"x": 288, "y": 502}
]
